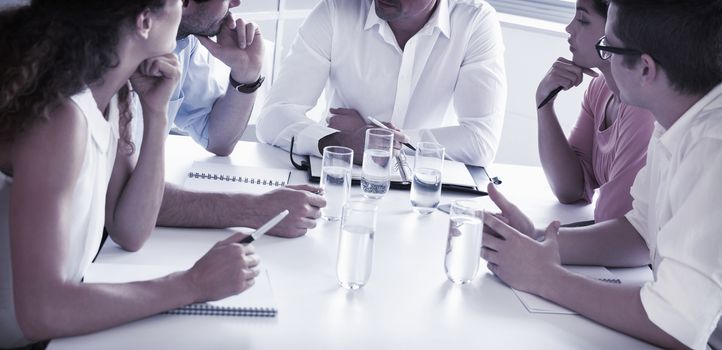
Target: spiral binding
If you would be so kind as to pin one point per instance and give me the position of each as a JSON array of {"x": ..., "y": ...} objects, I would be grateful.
[
  {"x": 610, "y": 280},
  {"x": 239, "y": 179}
]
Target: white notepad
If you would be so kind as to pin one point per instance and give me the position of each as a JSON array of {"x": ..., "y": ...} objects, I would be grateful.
[
  {"x": 257, "y": 301},
  {"x": 535, "y": 304},
  {"x": 215, "y": 177}
]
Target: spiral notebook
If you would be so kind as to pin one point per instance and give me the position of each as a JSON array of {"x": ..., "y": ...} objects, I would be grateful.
[
  {"x": 216, "y": 177},
  {"x": 257, "y": 301}
]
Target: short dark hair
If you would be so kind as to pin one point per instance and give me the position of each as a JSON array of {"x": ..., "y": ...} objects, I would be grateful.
[
  {"x": 601, "y": 6},
  {"x": 683, "y": 36}
]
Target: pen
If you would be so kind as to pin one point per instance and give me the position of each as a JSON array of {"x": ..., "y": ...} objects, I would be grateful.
[
  {"x": 549, "y": 97},
  {"x": 381, "y": 125},
  {"x": 263, "y": 229}
]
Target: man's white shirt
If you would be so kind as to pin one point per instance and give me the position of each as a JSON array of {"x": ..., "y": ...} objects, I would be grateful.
[
  {"x": 677, "y": 209},
  {"x": 343, "y": 46}
]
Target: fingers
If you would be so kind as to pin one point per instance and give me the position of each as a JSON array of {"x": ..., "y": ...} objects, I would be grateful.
[
  {"x": 234, "y": 238},
  {"x": 500, "y": 227},
  {"x": 213, "y": 47},
  {"x": 489, "y": 255},
  {"x": 305, "y": 187},
  {"x": 491, "y": 241},
  {"x": 500, "y": 200},
  {"x": 552, "y": 231},
  {"x": 401, "y": 137}
]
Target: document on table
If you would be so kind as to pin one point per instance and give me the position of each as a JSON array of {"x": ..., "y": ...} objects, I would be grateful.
[
  {"x": 257, "y": 301},
  {"x": 539, "y": 305}
]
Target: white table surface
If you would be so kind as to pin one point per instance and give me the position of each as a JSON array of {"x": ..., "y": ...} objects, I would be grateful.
[{"x": 408, "y": 302}]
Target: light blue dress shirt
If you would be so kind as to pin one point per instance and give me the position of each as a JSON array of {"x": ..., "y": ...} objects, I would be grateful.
[{"x": 202, "y": 82}]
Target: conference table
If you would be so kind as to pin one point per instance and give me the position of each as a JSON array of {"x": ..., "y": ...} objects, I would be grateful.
[{"x": 407, "y": 303}]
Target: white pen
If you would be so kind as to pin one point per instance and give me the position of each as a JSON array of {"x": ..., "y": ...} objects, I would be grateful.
[
  {"x": 374, "y": 121},
  {"x": 263, "y": 229}
]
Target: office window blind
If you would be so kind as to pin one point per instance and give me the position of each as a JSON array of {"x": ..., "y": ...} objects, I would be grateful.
[{"x": 560, "y": 11}]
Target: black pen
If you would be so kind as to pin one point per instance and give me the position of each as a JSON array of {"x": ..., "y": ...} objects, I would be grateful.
[
  {"x": 549, "y": 97},
  {"x": 381, "y": 125},
  {"x": 263, "y": 229}
]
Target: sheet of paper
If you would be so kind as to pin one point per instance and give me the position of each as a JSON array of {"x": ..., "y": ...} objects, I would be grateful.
[{"x": 535, "y": 304}]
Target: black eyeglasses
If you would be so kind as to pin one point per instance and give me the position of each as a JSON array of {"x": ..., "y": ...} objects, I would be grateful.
[{"x": 605, "y": 51}]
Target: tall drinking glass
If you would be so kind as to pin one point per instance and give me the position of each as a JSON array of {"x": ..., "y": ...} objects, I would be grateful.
[
  {"x": 356, "y": 243},
  {"x": 376, "y": 166},
  {"x": 464, "y": 241},
  {"x": 426, "y": 187},
  {"x": 335, "y": 180}
]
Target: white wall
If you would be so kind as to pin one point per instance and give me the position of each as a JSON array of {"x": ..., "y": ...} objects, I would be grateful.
[{"x": 530, "y": 51}]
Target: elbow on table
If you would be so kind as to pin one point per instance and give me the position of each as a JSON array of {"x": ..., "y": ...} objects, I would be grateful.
[
  {"x": 222, "y": 150},
  {"x": 128, "y": 242},
  {"x": 36, "y": 319}
]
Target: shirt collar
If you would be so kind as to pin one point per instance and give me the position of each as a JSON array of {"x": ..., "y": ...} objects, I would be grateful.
[
  {"x": 439, "y": 19},
  {"x": 676, "y": 132},
  {"x": 181, "y": 44}
]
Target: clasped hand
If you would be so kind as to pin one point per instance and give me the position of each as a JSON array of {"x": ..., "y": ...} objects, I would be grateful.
[
  {"x": 239, "y": 45},
  {"x": 154, "y": 82},
  {"x": 350, "y": 121}
]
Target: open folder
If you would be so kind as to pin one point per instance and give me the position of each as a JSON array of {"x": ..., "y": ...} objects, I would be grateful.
[
  {"x": 256, "y": 301},
  {"x": 455, "y": 176}
]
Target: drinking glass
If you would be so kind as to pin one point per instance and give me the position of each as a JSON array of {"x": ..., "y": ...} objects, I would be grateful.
[
  {"x": 426, "y": 186},
  {"x": 376, "y": 165},
  {"x": 464, "y": 241},
  {"x": 335, "y": 180},
  {"x": 356, "y": 243}
]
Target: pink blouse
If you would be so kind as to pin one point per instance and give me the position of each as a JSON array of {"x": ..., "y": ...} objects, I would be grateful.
[{"x": 610, "y": 157}]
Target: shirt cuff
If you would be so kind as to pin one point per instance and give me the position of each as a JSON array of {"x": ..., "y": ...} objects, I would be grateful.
[
  {"x": 680, "y": 313},
  {"x": 306, "y": 141}
]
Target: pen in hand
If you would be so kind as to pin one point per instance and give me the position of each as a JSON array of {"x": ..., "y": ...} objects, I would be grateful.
[
  {"x": 374, "y": 121},
  {"x": 265, "y": 228},
  {"x": 549, "y": 97}
]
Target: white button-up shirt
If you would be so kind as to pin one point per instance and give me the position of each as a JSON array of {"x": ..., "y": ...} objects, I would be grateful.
[
  {"x": 457, "y": 56},
  {"x": 677, "y": 209}
]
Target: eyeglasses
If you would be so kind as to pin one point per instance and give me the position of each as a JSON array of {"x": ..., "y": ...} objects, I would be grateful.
[{"x": 605, "y": 51}]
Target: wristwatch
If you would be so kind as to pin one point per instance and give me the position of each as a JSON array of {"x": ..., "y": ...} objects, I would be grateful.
[{"x": 246, "y": 88}]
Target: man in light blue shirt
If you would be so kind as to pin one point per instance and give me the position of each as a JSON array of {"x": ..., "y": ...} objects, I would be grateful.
[
  {"x": 215, "y": 112},
  {"x": 212, "y": 103}
]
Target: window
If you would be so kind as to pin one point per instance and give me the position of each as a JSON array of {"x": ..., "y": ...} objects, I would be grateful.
[{"x": 560, "y": 11}]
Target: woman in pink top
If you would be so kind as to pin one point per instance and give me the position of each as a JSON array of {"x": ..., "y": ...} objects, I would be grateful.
[{"x": 608, "y": 144}]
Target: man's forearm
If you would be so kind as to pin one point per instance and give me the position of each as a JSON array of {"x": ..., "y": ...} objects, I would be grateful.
[
  {"x": 616, "y": 306},
  {"x": 610, "y": 243},
  {"x": 228, "y": 120},
  {"x": 181, "y": 208}
]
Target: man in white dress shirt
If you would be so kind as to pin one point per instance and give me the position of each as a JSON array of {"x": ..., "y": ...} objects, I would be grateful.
[
  {"x": 400, "y": 61},
  {"x": 666, "y": 56}
]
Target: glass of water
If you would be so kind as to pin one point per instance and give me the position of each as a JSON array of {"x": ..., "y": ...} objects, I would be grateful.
[
  {"x": 356, "y": 243},
  {"x": 426, "y": 186},
  {"x": 335, "y": 180},
  {"x": 377, "y": 165},
  {"x": 464, "y": 241}
]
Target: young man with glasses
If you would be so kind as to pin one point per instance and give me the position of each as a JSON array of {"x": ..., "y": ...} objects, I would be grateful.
[
  {"x": 666, "y": 56},
  {"x": 608, "y": 144}
]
